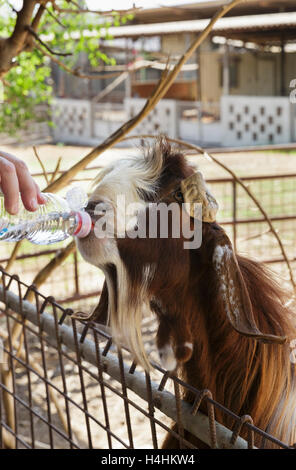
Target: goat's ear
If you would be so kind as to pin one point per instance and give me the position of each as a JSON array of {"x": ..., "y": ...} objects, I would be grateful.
[
  {"x": 195, "y": 191},
  {"x": 235, "y": 296}
]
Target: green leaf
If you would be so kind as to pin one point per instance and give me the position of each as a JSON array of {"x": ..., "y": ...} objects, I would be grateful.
[{"x": 30, "y": 82}]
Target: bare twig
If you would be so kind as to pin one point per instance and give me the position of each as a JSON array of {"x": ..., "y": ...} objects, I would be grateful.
[
  {"x": 41, "y": 164},
  {"x": 8, "y": 402},
  {"x": 55, "y": 18},
  {"x": 78, "y": 9},
  {"x": 56, "y": 170},
  {"x": 45, "y": 272},
  {"x": 12, "y": 8},
  {"x": 160, "y": 90},
  {"x": 35, "y": 35},
  {"x": 114, "y": 84},
  {"x": 13, "y": 256},
  {"x": 258, "y": 235},
  {"x": 75, "y": 72},
  {"x": 8, "y": 439}
]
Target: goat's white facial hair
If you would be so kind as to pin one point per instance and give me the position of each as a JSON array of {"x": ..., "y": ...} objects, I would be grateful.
[{"x": 131, "y": 178}]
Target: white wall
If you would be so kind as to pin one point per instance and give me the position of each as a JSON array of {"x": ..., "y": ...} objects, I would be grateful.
[{"x": 252, "y": 120}]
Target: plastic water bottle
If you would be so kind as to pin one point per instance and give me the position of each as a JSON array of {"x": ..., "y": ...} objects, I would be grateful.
[{"x": 53, "y": 221}]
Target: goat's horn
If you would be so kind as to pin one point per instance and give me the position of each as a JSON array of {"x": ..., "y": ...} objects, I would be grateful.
[{"x": 195, "y": 191}]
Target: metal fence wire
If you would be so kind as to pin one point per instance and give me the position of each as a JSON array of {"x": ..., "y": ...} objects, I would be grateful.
[
  {"x": 69, "y": 386},
  {"x": 65, "y": 384},
  {"x": 243, "y": 222}
]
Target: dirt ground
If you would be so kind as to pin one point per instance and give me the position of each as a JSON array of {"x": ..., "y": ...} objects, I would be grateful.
[{"x": 243, "y": 163}]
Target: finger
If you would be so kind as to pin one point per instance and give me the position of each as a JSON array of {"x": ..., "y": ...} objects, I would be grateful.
[
  {"x": 40, "y": 198},
  {"x": 27, "y": 186},
  {"x": 9, "y": 185}
]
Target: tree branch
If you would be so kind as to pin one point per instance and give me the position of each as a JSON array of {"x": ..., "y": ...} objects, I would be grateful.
[
  {"x": 76, "y": 72},
  {"x": 26, "y": 29},
  {"x": 17, "y": 39},
  {"x": 78, "y": 9},
  {"x": 35, "y": 35},
  {"x": 20, "y": 40},
  {"x": 12, "y": 7},
  {"x": 36, "y": 21},
  {"x": 56, "y": 170},
  {"x": 41, "y": 164},
  {"x": 55, "y": 18},
  {"x": 163, "y": 85}
]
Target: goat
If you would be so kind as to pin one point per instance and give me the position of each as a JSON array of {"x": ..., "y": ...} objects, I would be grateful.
[{"x": 223, "y": 323}]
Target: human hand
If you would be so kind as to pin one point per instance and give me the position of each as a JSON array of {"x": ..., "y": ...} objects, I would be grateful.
[{"x": 14, "y": 179}]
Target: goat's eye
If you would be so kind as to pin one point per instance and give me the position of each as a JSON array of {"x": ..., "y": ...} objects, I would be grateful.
[{"x": 178, "y": 195}]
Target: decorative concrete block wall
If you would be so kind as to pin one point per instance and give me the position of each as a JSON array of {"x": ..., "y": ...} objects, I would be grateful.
[
  {"x": 72, "y": 121},
  {"x": 245, "y": 121},
  {"x": 162, "y": 119},
  {"x": 255, "y": 120}
]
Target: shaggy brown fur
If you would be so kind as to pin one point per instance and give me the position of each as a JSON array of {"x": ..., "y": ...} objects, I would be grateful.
[{"x": 227, "y": 306}]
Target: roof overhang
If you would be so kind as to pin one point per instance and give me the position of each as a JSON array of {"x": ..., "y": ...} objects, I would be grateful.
[
  {"x": 265, "y": 27},
  {"x": 203, "y": 9}
]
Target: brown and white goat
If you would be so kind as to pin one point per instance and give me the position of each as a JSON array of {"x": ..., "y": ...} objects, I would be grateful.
[{"x": 222, "y": 320}]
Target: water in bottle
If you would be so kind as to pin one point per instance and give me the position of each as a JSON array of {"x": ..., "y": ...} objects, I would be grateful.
[{"x": 53, "y": 221}]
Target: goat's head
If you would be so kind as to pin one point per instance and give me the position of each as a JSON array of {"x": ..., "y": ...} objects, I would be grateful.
[{"x": 160, "y": 273}]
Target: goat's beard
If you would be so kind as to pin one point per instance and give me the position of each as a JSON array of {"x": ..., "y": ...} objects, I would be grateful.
[{"x": 126, "y": 302}]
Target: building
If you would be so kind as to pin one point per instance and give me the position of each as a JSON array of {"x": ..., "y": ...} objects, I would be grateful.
[{"x": 235, "y": 91}]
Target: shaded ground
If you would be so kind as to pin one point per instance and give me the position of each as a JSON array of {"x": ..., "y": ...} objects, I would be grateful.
[{"x": 244, "y": 164}]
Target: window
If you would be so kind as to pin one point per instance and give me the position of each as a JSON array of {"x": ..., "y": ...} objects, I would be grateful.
[{"x": 233, "y": 74}]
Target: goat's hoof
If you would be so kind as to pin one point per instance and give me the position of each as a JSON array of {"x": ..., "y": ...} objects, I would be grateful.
[
  {"x": 184, "y": 352},
  {"x": 167, "y": 357}
]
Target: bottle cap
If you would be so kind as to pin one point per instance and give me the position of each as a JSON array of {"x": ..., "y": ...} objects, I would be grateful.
[{"x": 84, "y": 224}]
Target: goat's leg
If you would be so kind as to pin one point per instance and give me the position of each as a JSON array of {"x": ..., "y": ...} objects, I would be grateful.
[
  {"x": 183, "y": 339},
  {"x": 174, "y": 341},
  {"x": 100, "y": 313},
  {"x": 164, "y": 344}
]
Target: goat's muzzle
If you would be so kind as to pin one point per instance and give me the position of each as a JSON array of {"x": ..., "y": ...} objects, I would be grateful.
[{"x": 97, "y": 209}]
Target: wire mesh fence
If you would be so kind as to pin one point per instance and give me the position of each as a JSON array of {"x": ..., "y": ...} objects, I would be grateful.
[
  {"x": 77, "y": 284},
  {"x": 65, "y": 384},
  {"x": 246, "y": 226},
  {"x": 71, "y": 387}
]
